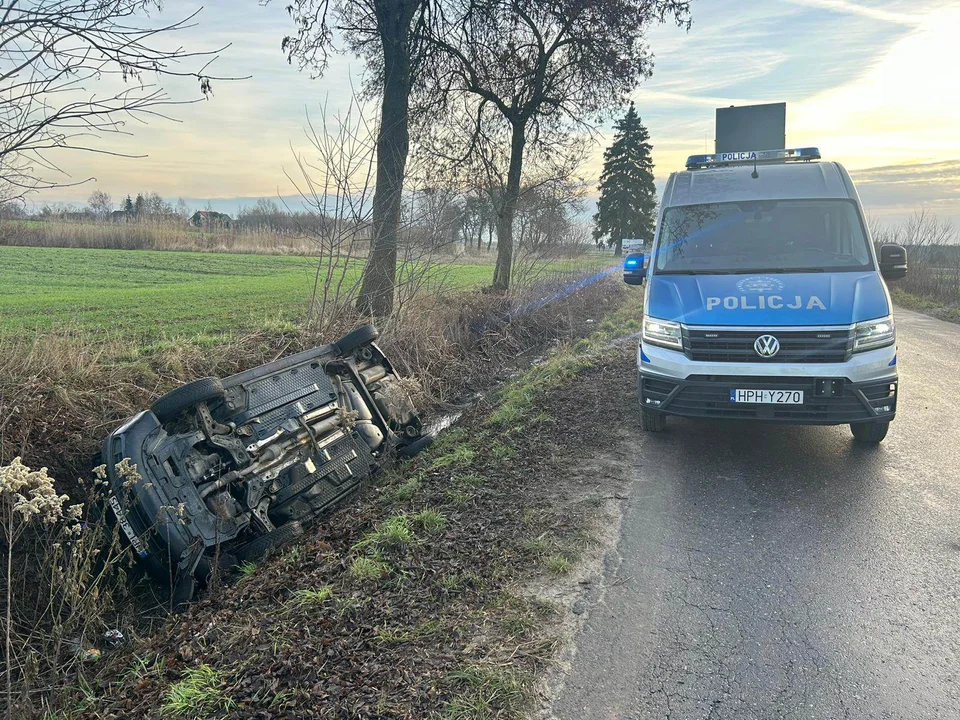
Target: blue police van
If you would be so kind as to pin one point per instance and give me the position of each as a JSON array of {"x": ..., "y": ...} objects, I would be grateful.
[{"x": 765, "y": 298}]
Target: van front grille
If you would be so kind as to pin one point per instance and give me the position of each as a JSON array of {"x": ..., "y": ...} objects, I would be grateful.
[{"x": 796, "y": 346}]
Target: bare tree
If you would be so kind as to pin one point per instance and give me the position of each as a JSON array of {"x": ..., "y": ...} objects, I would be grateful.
[
  {"x": 53, "y": 53},
  {"x": 101, "y": 204},
  {"x": 547, "y": 67},
  {"x": 389, "y": 35}
]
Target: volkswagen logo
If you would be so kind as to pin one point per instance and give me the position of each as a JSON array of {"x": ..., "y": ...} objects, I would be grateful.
[{"x": 766, "y": 346}]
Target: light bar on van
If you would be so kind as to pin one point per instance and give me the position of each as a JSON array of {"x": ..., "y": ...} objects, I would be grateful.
[{"x": 751, "y": 156}]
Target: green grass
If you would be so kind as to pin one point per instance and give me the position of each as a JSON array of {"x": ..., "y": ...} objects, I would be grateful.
[
  {"x": 558, "y": 564},
  {"x": 156, "y": 295},
  {"x": 198, "y": 695},
  {"x": 394, "y": 533},
  {"x": 486, "y": 693},
  {"x": 305, "y": 597},
  {"x": 430, "y": 520},
  {"x": 923, "y": 304},
  {"x": 459, "y": 457},
  {"x": 406, "y": 491},
  {"x": 365, "y": 568}
]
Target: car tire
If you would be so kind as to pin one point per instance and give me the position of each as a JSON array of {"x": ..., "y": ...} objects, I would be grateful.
[
  {"x": 869, "y": 433},
  {"x": 169, "y": 406},
  {"x": 417, "y": 446},
  {"x": 652, "y": 421},
  {"x": 361, "y": 336},
  {"x": 257, "y": 549}
]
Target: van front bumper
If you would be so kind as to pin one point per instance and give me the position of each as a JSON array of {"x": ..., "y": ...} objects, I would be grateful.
[{"x": 863, "y": 389}]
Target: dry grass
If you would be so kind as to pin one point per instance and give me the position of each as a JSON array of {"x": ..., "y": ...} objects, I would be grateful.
[
  {"x": 61, "y": 393},
  {"x": 152, "y": 235}
]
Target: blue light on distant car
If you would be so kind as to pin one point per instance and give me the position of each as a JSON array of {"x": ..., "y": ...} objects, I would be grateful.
[{"x": 631, "y": 263}]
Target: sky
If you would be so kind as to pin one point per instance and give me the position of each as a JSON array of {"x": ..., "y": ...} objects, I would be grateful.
[{"x": 872, "y": 83}]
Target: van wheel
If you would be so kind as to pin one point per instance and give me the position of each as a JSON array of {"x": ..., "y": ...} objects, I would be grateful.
[
  {"x": 869, "y": 433},
  {"x": 652, "y": 421}
]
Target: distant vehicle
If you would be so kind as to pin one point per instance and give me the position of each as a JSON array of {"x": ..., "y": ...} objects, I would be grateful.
[
  {"x": 231, "y": 468},
  {"x": 765, "y": 299},
  {"x": 634, "y": 245}
]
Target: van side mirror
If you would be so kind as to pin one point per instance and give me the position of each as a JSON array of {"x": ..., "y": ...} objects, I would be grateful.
[
  {"x": 893, "y": 262},
  {"x": 633, "y": 270}
]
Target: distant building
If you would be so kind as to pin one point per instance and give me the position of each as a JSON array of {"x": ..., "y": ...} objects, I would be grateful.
[
  {"x": 209, "y": 218},
  {"x": 119, "y": 216}
]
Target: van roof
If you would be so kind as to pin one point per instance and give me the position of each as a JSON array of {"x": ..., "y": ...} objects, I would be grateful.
[{"x": 787, "y": 181}]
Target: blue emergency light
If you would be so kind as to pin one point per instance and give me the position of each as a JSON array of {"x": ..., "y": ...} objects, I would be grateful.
[
  {"x": 632, "y": 262},
  {"x": 749, "y": 157}
]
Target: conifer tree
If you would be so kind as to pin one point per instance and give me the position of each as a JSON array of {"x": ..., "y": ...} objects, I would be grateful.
[{"x": 627, "y": 207}]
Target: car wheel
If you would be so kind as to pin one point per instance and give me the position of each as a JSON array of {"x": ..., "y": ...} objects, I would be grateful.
[
  {"x": 652, "y": 421},
  {"x": 256, "y": 549},
  {"x": 361, "y": 336},
  {"x": 869, "y": 433},
  {"x": 415, "y": 447},
  {"x": 169, "y": 406}
]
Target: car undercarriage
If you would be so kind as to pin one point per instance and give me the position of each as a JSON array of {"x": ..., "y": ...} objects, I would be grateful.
[{"x": 228, "y": 469}]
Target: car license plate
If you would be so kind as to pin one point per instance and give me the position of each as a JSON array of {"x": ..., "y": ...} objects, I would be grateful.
[
  {"x": 767, "y": 397},
  {"x": 135, "y": 540}
]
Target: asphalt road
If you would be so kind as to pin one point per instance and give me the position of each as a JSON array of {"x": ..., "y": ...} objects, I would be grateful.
[{"x": 776, "y": 572}]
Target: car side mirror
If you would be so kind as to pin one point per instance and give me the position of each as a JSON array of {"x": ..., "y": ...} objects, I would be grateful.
[
  {"x": 633, "y": 270},
  {"x": 893, "y": 262}
]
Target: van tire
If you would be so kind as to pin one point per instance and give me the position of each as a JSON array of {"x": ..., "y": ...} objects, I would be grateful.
[
  {"x": 869, "y": 433},
  {"x": 652, "y": 421}
]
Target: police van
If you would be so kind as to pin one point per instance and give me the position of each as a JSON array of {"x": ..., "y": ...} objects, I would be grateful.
[{"x": 765, "y": 298}]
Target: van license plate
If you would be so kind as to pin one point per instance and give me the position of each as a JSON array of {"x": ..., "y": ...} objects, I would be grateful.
[{"x": 767, "y": 397}]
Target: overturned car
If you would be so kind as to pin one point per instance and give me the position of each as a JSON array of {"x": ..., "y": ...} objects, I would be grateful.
[{"x": 227, "y": 469}]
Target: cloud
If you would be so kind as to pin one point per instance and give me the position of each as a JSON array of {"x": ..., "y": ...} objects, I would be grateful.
[
  {"x": 871, "y": 82},
  {"x": 901, "y": 189},
  {"x": 851, "y": 8},
  {"x": 905, "y": 107}
]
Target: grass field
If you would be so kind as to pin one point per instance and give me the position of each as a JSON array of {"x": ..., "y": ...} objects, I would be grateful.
[
  {"x": 155, "y": 295},
  {"x": 149, "y": 296}
]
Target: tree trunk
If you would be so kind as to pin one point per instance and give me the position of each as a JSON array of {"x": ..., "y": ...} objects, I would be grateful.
[
  {"x": 618, "y": 247},
  {"x": 508, "y": 210},
  {"x": 393, "y": 144}
]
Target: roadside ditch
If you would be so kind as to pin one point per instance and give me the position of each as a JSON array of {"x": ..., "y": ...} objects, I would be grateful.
[{"x": 444, "y": 592}]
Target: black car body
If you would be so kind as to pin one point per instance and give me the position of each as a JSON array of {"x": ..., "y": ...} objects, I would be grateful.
[{"x": 230, "y": 468}]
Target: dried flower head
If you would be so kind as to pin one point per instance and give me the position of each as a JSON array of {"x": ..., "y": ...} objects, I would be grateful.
[{"x": 30, "y": 493}]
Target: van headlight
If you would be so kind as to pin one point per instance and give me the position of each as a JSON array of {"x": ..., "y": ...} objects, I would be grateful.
[
  {"x": 663, "y": 333},
  {"x": 874, "y": 334}
]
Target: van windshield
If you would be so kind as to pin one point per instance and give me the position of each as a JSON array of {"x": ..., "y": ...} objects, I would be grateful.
[{"x": 763, "y": 236}]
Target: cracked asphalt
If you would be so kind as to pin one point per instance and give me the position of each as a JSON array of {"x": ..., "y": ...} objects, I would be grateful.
[{"x": 778, "y": 572}]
